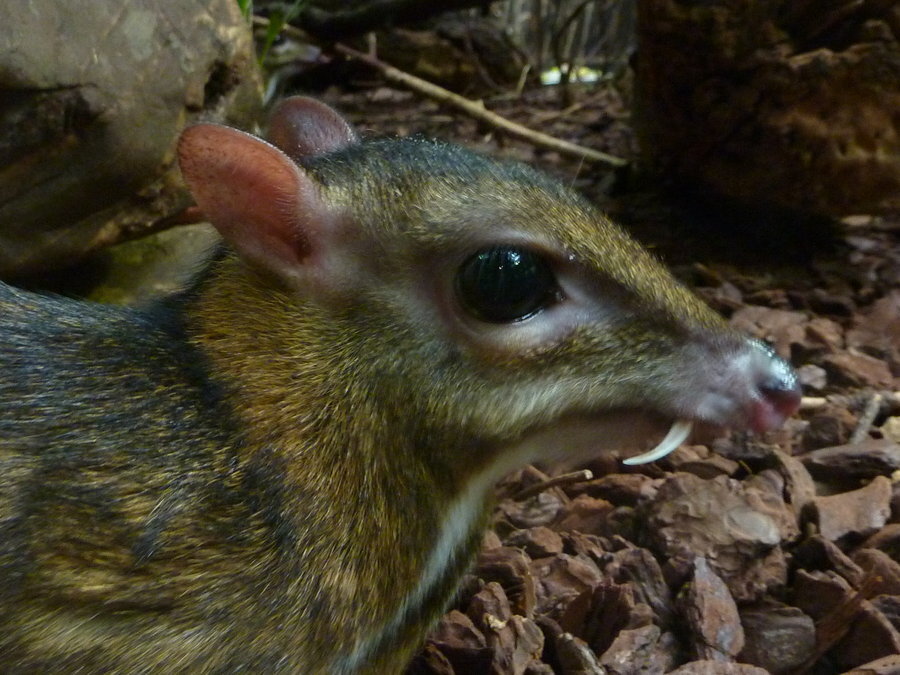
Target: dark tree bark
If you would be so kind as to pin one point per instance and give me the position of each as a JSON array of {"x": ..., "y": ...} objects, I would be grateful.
[
  {"x": 782, "y": 103},
  {"x": 342, "y": 22}
]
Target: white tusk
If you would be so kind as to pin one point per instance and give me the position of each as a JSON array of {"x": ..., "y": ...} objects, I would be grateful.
[{"x": 676, "y": 436}]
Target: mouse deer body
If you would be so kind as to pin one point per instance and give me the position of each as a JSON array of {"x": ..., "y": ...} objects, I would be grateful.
[{"x": 287, "y": 467}]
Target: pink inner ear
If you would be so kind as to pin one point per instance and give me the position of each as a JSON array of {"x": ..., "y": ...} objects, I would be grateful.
[
  {"x": 255, "y": 195},
  {"x": 303, "y": 126}
]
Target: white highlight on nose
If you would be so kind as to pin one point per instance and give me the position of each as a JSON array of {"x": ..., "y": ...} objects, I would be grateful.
[{"x": 677, "y": 434}]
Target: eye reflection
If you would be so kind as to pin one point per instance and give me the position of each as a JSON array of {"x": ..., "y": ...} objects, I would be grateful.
[{"x": 504, "y": 284}]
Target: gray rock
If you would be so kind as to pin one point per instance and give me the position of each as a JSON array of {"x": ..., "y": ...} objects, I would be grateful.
[{"x": 95, "y": 95}]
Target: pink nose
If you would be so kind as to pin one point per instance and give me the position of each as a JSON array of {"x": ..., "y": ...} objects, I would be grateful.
[{"x": 778, "y": 393}]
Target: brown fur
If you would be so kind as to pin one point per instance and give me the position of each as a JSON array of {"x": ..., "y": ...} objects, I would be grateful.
[{"x": 251, "y": 476}]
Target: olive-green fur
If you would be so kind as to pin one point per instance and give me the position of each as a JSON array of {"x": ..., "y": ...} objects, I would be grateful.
[{"x": 248, "y": 478}]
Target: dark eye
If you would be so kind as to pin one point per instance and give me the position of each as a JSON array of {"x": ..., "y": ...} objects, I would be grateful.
[{"x": 505, "y": 284}]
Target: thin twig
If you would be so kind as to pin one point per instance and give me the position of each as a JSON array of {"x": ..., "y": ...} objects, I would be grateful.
[
  {"x": 812, "y": 402},
  {"x": 479, "y": 112},
  {"x": 564, "y": 479},
  {"x": 550, "y": 115},
  {"x": 867, "y": 418}
]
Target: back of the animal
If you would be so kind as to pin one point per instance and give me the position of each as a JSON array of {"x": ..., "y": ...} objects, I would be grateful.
[
  {"x": 287, "y": 467},
  {"x": 106, "y": 450}
]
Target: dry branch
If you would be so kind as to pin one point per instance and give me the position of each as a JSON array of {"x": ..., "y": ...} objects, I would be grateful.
[
  {"x": 867, "y": 418},
  {"x": 558, "y": 481},
  {"x": 478, "y": 111}
]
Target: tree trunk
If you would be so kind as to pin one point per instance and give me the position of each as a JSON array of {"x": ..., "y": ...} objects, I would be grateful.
[{"x": 782, "y": 103}]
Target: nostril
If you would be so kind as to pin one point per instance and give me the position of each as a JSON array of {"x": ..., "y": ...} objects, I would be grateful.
[
  {"x": 782, "y": 393},
  {"x": 779, "y": 396}
]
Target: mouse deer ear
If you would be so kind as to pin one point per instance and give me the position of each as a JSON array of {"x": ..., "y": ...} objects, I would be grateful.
[
  {"x": 258, "y": 199},
  {"x": 302, "y": 126}
]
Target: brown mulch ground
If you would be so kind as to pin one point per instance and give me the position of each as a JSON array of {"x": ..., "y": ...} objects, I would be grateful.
[{"x": 748, "y": 555}]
